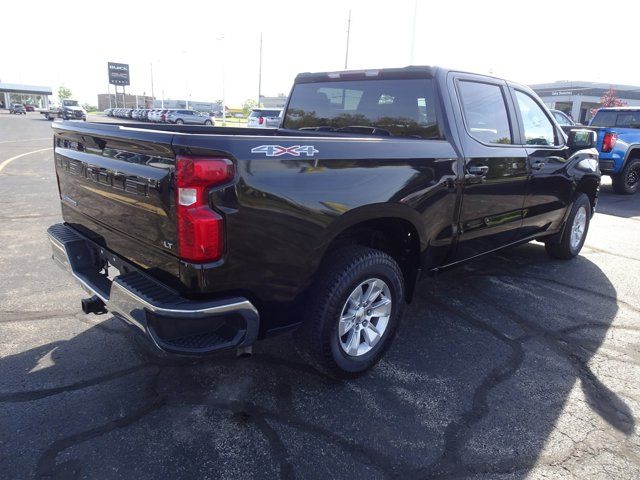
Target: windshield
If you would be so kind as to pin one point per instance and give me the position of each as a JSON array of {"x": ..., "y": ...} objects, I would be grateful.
[
  {"x": 612, "y": 118},
  {"x": 69, "y": 103},
  {"x": 403, "y": 108}
]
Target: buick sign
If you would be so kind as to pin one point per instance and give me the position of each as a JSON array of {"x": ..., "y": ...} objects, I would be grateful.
[{"x": 118, "y": 73}]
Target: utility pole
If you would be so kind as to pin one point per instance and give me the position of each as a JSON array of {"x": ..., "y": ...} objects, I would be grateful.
[
  {"x": 152, "y": 96},
  {"x": 260, "y": 74},
  {"x": 346, "y": 56},
  {"x": 413, "y": 29}
]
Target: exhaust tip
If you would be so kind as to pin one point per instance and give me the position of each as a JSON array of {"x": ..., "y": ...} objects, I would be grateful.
[
  {"x": 93, "y": 305},
  {"x": 244, "y": 352}
]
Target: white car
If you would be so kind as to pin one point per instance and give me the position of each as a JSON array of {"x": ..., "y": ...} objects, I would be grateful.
[{"x": 265, "y": 118}]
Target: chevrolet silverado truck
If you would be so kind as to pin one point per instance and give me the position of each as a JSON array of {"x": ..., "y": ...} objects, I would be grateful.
[
  {"x": 618, "y": 144},
  {"x": 68, "y": 110},
  {"x": 207, "y": 239}
]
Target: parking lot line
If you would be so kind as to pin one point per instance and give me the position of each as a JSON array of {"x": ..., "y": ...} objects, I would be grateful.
[
  {"x": 9, "y": 160},
  {"x": 26, "y": 140}
]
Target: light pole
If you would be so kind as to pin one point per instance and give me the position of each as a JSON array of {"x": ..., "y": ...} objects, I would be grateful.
[
  {"x": 224, "y": 106},
  {"x": 413, "y": 30},
  {"x": 260, "y": 73},
  {"x": 153, "y": 98},
  {"x": 346, "y": 55}
]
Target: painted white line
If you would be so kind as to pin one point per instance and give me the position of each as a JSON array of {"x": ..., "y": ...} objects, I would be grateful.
[
  {"x": 9, "y": 160},
  {"x": 27, "y": 140}
]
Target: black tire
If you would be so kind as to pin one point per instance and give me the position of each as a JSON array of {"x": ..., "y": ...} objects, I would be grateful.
[
  {"x": 179, "y": 122},
  {"x": 207, "y": 122},
  {"x": 566, "y": 249},
  {"x": 627, "y": 182},
  {"x": 338, "y": 278}
]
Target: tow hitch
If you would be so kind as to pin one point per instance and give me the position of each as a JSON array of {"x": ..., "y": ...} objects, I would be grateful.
[{"x": 93, "y": 305}]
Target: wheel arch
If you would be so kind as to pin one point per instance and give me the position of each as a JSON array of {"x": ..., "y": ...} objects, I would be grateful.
[
  {"x": 633, "y": 151},
  {"x": 395, "y": 229},
  {"x": 590, "y": 186}
]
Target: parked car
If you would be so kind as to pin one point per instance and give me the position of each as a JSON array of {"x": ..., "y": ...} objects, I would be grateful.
[
  {"x": 325, "y": 224},
  {"x": 563, "y": 119},
  {"x": 17, "y": 109},
  {"x": 264, "y": 118},
  {"x": 154, "y": 115},
  {"x": 618, "y": 130},
  {"x": 189, "y": 117},
  {"x": 108, "y": 112},
  {"x": 162, "y": 116},
  {"x": 29, "y": 107}
]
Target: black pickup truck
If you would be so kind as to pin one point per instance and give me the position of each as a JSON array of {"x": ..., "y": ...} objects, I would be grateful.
[{"x": 211, "y": 238}]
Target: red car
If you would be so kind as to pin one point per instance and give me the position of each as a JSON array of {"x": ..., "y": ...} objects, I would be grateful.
[{"x": 29, "y": 108}]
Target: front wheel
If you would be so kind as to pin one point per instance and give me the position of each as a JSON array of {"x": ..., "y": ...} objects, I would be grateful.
[
  {"x": 575, "y": 231},
  {"x": 179, "y": 122},
  {"x": 357, "y": 303},
  {"x": 627, "y": 182},
  {"x": 207, "y": 122}
]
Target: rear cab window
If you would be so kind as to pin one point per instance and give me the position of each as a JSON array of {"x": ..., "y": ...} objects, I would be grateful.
[
  {"x": 620, "y": 118},
  {"x": 388, "y": 107}
]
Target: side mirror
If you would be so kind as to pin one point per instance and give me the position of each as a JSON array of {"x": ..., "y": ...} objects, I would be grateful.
[{"x": 581, "y": 138}]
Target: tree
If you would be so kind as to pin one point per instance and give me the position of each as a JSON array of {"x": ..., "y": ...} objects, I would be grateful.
[
  {"x": 248, "y": 105},
  {"x": 609, "y": 99},
  {"x": 64, "y": 93}
]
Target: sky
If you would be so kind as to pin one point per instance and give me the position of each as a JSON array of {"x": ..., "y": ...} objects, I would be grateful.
[{"x": 200, "y": 48}]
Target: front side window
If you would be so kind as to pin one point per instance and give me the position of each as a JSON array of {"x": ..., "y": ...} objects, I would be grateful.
[
  {"x": 485, "y": 112},
  {"x": 538, "y": 129},
  {"x": 398, "y": 107}
]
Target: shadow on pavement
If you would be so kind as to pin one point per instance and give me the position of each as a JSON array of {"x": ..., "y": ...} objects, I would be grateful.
[
  {"x": 475, "y": 383},
  {"x": 611, "y": 203}
]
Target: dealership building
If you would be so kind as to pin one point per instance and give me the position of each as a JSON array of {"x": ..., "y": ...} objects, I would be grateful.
[
  {"x": 25, "y": 94},
  {"x": 577, "y": 99},
  {"x": 278, "y": 101}
]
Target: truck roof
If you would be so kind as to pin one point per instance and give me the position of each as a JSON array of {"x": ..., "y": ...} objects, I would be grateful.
[
  {"x": 417, "y": 71},
  {"x": 619, "y": 109}
]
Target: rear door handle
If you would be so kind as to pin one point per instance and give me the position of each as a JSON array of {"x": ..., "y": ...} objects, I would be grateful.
[{"x": 479, "y": 170}]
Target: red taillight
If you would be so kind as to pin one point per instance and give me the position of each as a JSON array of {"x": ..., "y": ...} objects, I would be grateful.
[
  {"x": 260, "y": 120},
  {"x": 200, "y": 229},
  {"x": 609, "y": 141}
]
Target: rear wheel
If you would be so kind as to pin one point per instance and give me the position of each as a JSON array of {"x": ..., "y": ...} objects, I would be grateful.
[
  {"x": 575, "y": 230},
  {"x": 179, "y": 121},
  {"x": 207, "y": 122},
  {"x": 627, "y": 182},
  {"x": 358, "y": 300}
]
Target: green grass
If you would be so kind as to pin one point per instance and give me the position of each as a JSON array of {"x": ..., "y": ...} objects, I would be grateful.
[{"x": 231, "y": 122}]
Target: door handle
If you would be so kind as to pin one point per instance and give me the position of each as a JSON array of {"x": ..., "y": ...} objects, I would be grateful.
[{"x": 478, "y": 170}]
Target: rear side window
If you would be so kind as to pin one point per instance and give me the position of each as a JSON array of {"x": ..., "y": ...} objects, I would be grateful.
[
  {"x": 485, "y": 112},
  {"x": 538, "y": 129},
  {"x": 400, "y": 108}
]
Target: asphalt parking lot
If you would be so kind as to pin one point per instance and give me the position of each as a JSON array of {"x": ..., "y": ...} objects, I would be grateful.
[{"x": 514, "y": 366}]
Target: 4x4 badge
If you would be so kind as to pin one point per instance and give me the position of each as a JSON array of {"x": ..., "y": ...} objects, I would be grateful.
[{"x": 294, "y": 150}]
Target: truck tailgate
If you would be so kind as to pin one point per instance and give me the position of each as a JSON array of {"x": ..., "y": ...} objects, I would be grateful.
[{"x": 115, "y": 183}]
